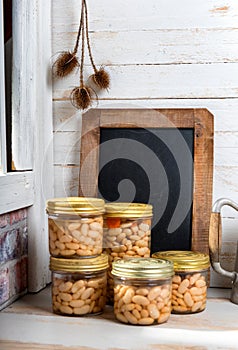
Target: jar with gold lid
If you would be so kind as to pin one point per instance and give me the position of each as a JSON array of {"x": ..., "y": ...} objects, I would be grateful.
[
  {"x": 75, "y": 226},
  {"x": 79, "y": 285},
  {"x": 126, "y": 233},
  {"x": 190, "y": 282},
  {"x": 142, "y": 290}
]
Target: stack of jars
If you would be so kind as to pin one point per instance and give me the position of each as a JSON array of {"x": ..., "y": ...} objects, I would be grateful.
[
  {"x": 127, "y": 234},
  {"x": 79, "y": 269}
]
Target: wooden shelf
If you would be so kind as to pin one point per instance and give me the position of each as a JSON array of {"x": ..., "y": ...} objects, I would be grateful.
[{"x": 30, "y": 324}]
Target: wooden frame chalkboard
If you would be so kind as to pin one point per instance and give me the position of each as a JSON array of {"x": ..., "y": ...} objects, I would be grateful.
[{"x": 199, "y": 121}]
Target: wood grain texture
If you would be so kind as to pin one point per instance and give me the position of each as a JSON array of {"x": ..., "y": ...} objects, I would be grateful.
[
  {"x": 10, "y": 345},
  {"x": 134, "y": 15},
  {"x": 215, "y": 236},
  {"x": 203, "y": 178},
  {"x": 199, "y": 119},
  {"x": 162, "y": 81},
  {"x": 89, "y": 154}
]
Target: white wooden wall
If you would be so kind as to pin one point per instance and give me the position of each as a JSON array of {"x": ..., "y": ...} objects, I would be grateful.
[{"x": 159, "y": 53}]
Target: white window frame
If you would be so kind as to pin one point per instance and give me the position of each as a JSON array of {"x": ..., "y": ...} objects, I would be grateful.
[{"x": 31, "y": 111}]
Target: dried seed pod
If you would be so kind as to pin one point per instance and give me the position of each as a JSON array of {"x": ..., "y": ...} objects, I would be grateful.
[
  {"x": 65, "y": 64},
  {"x": 81, "y": 97},
  {"x": 101, "y": 78}
]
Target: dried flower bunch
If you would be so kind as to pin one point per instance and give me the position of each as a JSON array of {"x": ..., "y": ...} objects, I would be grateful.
[{"x": 67, "y": 61}]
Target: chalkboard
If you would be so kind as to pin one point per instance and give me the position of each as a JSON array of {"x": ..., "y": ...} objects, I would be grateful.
[
  {"x": 139, "y": 176},
  {"x": 162, "y": 157}
]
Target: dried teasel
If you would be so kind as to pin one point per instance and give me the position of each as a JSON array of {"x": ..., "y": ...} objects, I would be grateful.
[
  {"x": 65, "y": 64},
  {"x": 101, "y": 78},
  {"x": 81, "y": 97},
  {"x": 67, "y": 60}
]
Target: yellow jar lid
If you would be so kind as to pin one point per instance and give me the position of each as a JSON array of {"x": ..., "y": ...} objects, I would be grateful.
[
  {"x": 79, "y": 265},
  {"x": 185, "y": 260},
  {"x": 75, "y": 206},
  {"x": 128, "y": 210},
  {"x": 142, "y": 268}
]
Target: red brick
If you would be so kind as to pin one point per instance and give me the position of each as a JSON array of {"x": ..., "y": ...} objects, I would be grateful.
[
  {"x": 17, "y": 216},
  {"x": 18, "y": 277},
  {"x": 4, "y": 285},
  {"x": 4, "y": 220}
]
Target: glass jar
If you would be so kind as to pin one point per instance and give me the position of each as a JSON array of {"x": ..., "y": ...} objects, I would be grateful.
[
  {"x": 126, "y": 233},
  {"x": 79, "y": 285},
  {"x": 190, "y": 282},
  {"x": 75, "y": 226},
  {"x": 142, "y": 290}
]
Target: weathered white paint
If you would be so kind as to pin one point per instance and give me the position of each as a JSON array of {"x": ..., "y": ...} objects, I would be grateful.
[
  {"x": 154, "y": 14},
  {"x": 153, "y": 46},
  {"x": 164, "y": 81},
  {"x": 33, "y": 323},
  {"x": 17, "y": 190},
  {"x": 24, "y": 47},
  {"x": 160, "y": 54},
  {"x": 43, "y": 146}
]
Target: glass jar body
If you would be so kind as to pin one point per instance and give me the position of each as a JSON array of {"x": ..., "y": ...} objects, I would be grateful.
[
  {"x": 72, "y": 236},
  {"x": 123, "y": 238},
  {"x": 189, "y": 291},
  {"x": 142, "y": 301},
  {"x": 78, "y": 294}
]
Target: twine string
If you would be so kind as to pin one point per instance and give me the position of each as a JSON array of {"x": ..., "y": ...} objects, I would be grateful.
[
  {"x": 82, "y": 48},
  {"x": 79, "y": 30},
  {"x": 87, "y": 37}
]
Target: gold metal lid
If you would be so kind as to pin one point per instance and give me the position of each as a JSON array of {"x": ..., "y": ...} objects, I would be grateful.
[
  {"x": 185, "y": 260},
  {"x": 75, "y": 206},
  {"x": 79, "y": 265},
  {"x": 128, "y": 210},
  {"x": 142, "y": 268}
]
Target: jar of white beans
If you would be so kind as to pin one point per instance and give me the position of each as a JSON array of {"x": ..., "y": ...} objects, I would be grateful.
[
  {"x": 75, "y": 226},
  {"x": 79, "y": 285},
  {"x": 142, "y": 290},
  {"x": 190, "y": 282},
  {"x": 126, "y": 233}
]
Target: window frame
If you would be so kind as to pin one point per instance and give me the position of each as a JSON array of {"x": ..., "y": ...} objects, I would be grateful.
[{"x": 32, "y": 114}]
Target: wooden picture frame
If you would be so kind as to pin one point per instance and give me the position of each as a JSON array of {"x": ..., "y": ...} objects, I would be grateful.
[{"x": 200, "y": 120}]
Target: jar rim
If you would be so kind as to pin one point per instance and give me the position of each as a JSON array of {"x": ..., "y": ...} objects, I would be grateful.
[
  {"x": 75, "y": 205},
  {"x": 142, "y": 268},
  {"x": 185, "y": 260},
  {"x": 93, "y": 264},
  {"x": 128, "y": 210}
]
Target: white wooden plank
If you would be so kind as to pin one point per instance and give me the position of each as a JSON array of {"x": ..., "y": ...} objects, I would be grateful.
[
  {"x": 22, "y": 77},
  {"x": 35, "y": 327},
  {"x": 16, "y": 191},
  {"x": 134, "y": 15},
  {"x": 67, "y": 148},
  {"x": 164, "y": 81},
  {"x": 66, "y": 180},
  {"x": 224, "y": 110},
  {"x": 225, "y": 185},
  {"x": 66, "y": 117},
  {"x": 226, "y": 156},
  {"x": 38, "y": 256},
  {"x": 157, "y": 46}
]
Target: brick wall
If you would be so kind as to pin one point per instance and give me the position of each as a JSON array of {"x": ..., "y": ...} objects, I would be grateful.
[{"x": 13, "y": 256}]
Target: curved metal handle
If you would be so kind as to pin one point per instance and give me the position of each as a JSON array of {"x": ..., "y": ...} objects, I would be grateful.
[{"x": 215, "y": 234}]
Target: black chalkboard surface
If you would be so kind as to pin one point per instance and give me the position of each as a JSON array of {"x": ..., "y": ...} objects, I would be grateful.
[
  {"x": 140, "y": 165},
  {"x": 158, "y": 156}
]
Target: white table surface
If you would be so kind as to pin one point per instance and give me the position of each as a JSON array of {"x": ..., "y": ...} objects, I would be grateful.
[{"x": 30, "y": 324}]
